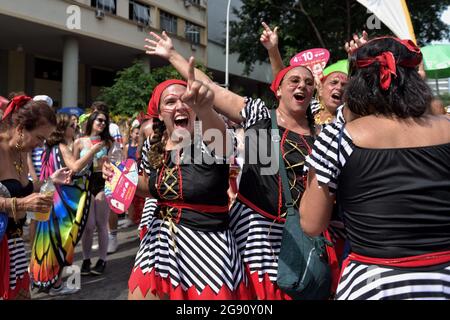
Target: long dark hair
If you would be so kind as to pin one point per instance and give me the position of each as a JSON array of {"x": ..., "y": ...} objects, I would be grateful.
[
  {"x": 104, "y": 135},
  {"x": 408, "y": 95}
]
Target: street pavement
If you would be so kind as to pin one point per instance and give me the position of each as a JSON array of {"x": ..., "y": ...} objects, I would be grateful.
[{"x": 113, "y": 284}]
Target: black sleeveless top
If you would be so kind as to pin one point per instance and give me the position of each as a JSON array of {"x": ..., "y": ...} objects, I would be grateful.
[
  {"x": 395, "y": 202},
  {"x": 16, "y": 190},
  {"x": 260, "y": 183},
  {"x": 186, "y": 179}
]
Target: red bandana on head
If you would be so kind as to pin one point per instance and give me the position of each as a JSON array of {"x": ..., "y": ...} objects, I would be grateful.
[
  {"x": 153, "y": 104},
  {"x": 388, "y": 64},
  {"x": 15, "y": 104},
  {"x": 280, "y": 76},
  {"x": 387, "y": 67}
]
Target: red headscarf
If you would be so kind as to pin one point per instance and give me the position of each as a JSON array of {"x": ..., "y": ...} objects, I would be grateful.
[
  {"x": 280, "y": 76},
  {"x": 153, "y": 104},
  {"x": 15, "y": 104},
  {"x": 388, "y": 64}
]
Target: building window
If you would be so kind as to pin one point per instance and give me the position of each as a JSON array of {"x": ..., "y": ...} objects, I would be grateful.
[
  {"x": 105, "y": 5},
  {"x": 139, "y": 12},
  {"x": 168, "y": 22},
  {"x": 192, "y": 32},
  {"x": 47, "y": 69},
  {"x": 190, "y": 2},
  {"x": 102, "y": 78}
]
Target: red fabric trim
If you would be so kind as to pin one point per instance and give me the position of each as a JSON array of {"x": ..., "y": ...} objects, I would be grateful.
[
  {"x": 142, "y": 232},
  {"x": 424, "y": 260},
  {"x": 157, "y": 285},
  {"x": 21, "y": 284},
  {"x": 266, "y": 289},
  {"x": 196, "y": 207},
  {"x": 333, "y": 262},
  {"x": 4, "y": 267},
  {"x": 260, "y": 211},
  {"x": 138, "y": 205}
]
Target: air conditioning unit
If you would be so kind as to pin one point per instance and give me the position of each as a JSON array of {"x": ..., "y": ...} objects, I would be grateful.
[
  {"x": 99, "y": 14},
  {"x": 187, "y": 3}
]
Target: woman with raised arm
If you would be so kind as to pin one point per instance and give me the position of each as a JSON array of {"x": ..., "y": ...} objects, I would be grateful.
[
  {"x": 189, "y": 230},
  {"x": 257, "y": 217},
  {"x": 96, "y": 133},
  {"x": 330, "y": 88},
  {"x": 389, "y": 170}
]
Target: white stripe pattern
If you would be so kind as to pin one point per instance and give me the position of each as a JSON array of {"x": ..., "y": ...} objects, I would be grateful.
[
  {"x": 258, "y": 240},
  {"x": 371, "y": 282},
  {"x": 191, "y": 258},
  {"x": 324, "y": 156},
  {"x": 255, "y": 110},
  {"x": 147, "y": 213},
  {"x": 18, "y": 263}
]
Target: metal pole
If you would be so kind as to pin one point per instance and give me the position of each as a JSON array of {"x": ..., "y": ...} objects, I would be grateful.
[{"x": 227, "y": 45}]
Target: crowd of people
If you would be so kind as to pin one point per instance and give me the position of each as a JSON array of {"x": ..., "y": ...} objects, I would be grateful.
[{"x": 366, "y": 151}]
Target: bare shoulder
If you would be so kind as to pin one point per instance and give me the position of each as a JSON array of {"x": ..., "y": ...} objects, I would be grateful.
[{"x": 382, "y": 132}]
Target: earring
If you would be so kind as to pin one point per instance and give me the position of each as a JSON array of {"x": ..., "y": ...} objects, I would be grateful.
[{"x": 19, "y": 143}]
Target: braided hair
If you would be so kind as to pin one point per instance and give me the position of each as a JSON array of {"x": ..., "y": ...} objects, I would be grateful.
[{"x": 157, "y": 144}]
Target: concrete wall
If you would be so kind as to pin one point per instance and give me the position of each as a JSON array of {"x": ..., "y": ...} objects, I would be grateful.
[{"x": 116, "y": 29}]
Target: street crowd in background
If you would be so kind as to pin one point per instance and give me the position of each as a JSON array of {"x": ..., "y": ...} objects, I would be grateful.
[{"x": 366, "y": 149}]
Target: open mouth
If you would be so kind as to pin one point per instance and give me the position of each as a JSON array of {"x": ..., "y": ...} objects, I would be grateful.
[
  {"x": 336, "y": 96},
  {"x": 181, "y": 121},
  {"x": 299, "y": 97}
]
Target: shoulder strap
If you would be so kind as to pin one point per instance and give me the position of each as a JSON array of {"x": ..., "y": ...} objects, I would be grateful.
[{"x": 276, "y": 139}]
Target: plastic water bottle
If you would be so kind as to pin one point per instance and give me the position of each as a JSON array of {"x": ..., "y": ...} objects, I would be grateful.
[
  {"x": 116, "y": 154},
  {"x": 48, "y": 188}
]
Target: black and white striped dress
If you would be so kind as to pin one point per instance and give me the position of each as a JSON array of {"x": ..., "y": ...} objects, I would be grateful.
[
  {"x": 18, "y": 262},
  {"x": 389, "y": 215},
  {"x": 257, "y": 215},
  {"x": 180, "y": 261}
]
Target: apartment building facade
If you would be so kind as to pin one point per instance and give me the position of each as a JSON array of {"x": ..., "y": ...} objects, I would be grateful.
[{"x": 70, "y": 49}]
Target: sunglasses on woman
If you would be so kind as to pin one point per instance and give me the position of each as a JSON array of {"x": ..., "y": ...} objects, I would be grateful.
[{"x": 99, "y": 120}]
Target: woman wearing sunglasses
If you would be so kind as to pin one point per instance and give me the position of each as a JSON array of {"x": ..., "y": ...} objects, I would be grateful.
[{"x": 96, "y": 132}]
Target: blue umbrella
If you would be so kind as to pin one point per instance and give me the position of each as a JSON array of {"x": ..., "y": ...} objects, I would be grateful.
[{"x": 72, "y": 111}]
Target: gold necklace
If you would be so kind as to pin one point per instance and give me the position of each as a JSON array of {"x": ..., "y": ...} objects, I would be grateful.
[{"x": 318, "y": 120}]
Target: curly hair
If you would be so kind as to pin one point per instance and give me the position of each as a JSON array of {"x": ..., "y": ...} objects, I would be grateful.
[
  {"x": 157, "y": 144},
  {"x": 408, "y": 95},
  {"x": 58, "y": 136}
]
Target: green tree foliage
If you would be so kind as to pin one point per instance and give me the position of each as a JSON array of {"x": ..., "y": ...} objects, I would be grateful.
[
  {"x": 322, "y": 23},
  {"x": 132, "y": 88}
]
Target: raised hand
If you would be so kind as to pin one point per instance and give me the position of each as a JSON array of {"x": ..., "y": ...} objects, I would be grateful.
[
  {"x": 159, "y": 45},
  {"x": 356, "y": 43},
  {"x": 62, "y": 176},
  {"x": 269, "y": 37},
  {"x": 198, "y": 95}
]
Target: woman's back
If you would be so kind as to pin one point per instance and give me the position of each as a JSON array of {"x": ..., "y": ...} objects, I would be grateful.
[{"x": 394, "y": 189}]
